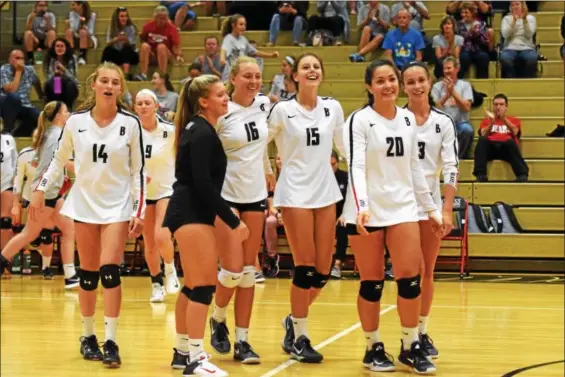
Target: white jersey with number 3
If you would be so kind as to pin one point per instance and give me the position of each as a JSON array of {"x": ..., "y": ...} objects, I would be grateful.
[
  {"x": 304, "y": 140},
  {"x": 8, "y": 160},
  {"x": 159, "y": 150},
  {"x": 243, "y": 133},
  {"x": 437, "y": 151},
  {"x": 385, "y": 175},
  {"x": 109, "y": 167}
]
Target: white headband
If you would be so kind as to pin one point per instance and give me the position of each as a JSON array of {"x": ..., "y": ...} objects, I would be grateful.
[
  {"x": 147, "y": 92},
  {"x": 289, "y": 60}
]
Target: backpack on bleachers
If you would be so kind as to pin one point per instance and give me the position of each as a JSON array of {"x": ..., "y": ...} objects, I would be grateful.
[
  {"x": 503, "y": 218},
  {"x": 479, "y": 222},
  {"x": 319, "y": 38}
]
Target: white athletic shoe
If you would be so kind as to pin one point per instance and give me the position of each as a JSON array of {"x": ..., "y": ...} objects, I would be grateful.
[
  {"x": 158, "y": 294},
  {"x": 172, "y": 283},
  {"x": 202, "y": 367}
]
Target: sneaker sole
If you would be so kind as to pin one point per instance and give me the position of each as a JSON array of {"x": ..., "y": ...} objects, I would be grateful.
[
  {"x": 178, "y": 366},
  {"x": 250, "y": 361},
  {"x": 71, "y": 286},
  {"x": 302, "y": 359},
  {"x": 391, "y": 368},
  {"x": 112, "y": 364},
  {"x": 412, "y": 369},
  {"x": 153, "y": 301}
]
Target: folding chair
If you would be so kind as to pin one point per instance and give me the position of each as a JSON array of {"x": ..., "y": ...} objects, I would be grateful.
[{"x": 460, "y": 234}]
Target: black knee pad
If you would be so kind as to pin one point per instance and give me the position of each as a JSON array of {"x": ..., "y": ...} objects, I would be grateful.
[
  {"x": 320, "y": 280},
  {"x": 203, "y": 294},
  {"x": 303, "y": 276},
  {"x": 372, "y": 290},
  {"x": 46, "y": 236},
  {"x": 110, "y": 275},
  {"x": 89, "y": 280},
  {"x": 17, "y": 228},
  {"x": 409, "y": 288},
  {"x": 36, "y": 242},
  {"x": 186, "y": 291},
  {"x": 5, "y": 223}
]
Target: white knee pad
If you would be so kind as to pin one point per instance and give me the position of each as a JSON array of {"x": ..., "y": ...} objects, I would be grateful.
[
  {"x": 248, "y": 278},
  {"x": 229, "y": 279}
]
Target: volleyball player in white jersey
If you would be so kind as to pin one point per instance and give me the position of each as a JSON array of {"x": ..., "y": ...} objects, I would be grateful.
[
  {"x": 159, "y": 143},
  {"x": 109, "y": 166},
  {"x": 437, "y": 151},
  {"x": 243, "y": 132},
  {"x": 8, "y": 161},
  {"x": 304, "y": 129},
  {"x": 386, "y": 184}
]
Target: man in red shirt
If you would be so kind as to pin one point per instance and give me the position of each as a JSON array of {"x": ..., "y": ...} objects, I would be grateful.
[
  {"x": 160, "y": 42},
  {"x": 498, "y": 140}
]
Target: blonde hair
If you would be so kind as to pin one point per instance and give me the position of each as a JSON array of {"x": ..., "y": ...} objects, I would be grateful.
[
  {"x": 188, "y": 105},
  {"x": 161, "y": 9},
  {"x": 90, "y": 96},
  {"x": 227, "y": 24},
  {"x": 235, "y": 70},
  {"x": 49, "y": 112}
]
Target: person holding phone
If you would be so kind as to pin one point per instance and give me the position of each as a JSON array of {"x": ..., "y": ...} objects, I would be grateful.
[
  {"x": 60, "y": 70},
  {"x": 40, "y": 30}
]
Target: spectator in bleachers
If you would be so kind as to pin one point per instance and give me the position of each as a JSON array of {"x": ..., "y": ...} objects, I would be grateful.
[
  {"x": 61, "y": 83},
  {"x": 290, "y": 15},
  {"x": 166, "y": 95},
  {"x": 81, "y": 29},
  {"x": 333, "y": 17},
  {"x": 562, "y": 50},
  {"x": 40, "y": 31},
  {"x": 273, "y": 228},
  {"x": 210, "y": 60},
  {"x": 498, "y": 140},
  {"x": 278, "y": 88},
  {"x": 519, "y": 57},
  {"x": 341, "y": 241},
  {"x": 16, "y": 80},
  {"x": 403, "y": 44},
  {"x": 478, "y": 44},
  {"x": 447, "y": 43},
  {"x": 215, "y": 8},
  {"x": 484, "y": 10},
  {"x": 194, "y": 70},
  {"x": 455, "y": 97},
  {"x": 181, "y": 13},
  {"x": 417, "y": 10},
  {"x": 375, "y": 21},
  {"x": 160, "y": 43},
  {"x": 121, "y": 39},
  {"x": 235, "y": 44}
]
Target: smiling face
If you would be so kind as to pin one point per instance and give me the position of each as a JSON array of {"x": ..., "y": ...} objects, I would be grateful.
[
  {"x": 467, "y": 15},
  {"x": 450, "y": 70},
  {"x": 416, "y": 82},
  {"x": 107, "y": 86},
  {"x": 384, "y": 84},
  {"x": 216, "y": 102},
  {"x": 248, "y": 79},
  {"x": 447, "y": 28},
  {"x": 60, "y": 48},
  {"x": 211, "y": 46},
  {"x": 309, "y": 72},
  {"x": 157, "y": 81},
  {"x": 145, "y": 106}
]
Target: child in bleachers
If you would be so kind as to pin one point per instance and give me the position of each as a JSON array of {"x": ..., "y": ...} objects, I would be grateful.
[
  {"x": 81, "y": 29},
  {"x": 121, "y": 39},
  {"x": 40, "y": 30}
]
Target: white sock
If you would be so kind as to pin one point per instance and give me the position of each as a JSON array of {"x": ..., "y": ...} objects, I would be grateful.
[
  {"x": 182, "y": 343},
  {"x": 423, "y": 324},
  {"x": 170, "y": 268},
  {"x": 409, "y": 336},
  {"x": 300, "y": 327},
  {"x": 219, "y": 313},
  {"x": 241, "y": 334},
  {"x": 195, "y": 348},
  {"x": 371, "y": 337},
  {"x": 46, "y": 262},
  {"x": 69, "y": 270},
  {"x": 111, "y": 326},
  {"x": 87, "y": 326}
]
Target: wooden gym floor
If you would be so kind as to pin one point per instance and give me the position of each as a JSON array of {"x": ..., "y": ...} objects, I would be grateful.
[{"x": 480, "y": 328}]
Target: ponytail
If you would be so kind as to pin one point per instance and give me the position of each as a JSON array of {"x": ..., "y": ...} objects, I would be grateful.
[
  {"x": 45, "y": 118},
  {"x": 227, "y": 24}
]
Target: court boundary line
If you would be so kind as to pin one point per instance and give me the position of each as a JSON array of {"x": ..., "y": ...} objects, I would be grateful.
[{"x": 322, "y": 344}]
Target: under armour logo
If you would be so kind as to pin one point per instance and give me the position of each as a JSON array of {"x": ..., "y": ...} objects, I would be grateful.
[
  {"x": 413, "y": 283},
  {"x": 323, "y": 281},
  {"x": 309, "y": 274},
  {"x": 88, "y": 282},
  {"x": 378, "y": 286},
  {"x": 108, "y": 277}
]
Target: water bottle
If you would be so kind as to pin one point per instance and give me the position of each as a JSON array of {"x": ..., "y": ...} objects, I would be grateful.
[
  {"x": 27, "y": 263},
  {"x": 57, "y": 85},
  {"x": 17, "y": 264},
  {"x": 38, "y": 56}
]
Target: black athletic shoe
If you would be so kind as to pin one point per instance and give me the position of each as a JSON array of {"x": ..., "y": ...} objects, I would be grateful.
[
  {"x": 288, "y": 340},
  {"x": 428, "y": 346},
  {"x": 302, "y": 351},
  {"x": 180, "y": 360},
  {"x": 111, "y": 354},
  {"x": 4, "y": 264},
  {"x": 72, "y": 282},
  {"x": 416, "y": 359},
  {"x": 89, "y": 348},
  {"x": 244, "y": 353},
  {"x": 271, "y": 265},
  {"x": 219, "y": 338},
  {"x": 377, "y": 359},
  {"x": 47, "y": 274}
]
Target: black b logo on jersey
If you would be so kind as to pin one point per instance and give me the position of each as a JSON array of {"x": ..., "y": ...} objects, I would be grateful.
[
  {"x": 122, "y": 131},
  {"x": 407, "y": 121},
  {"x": 438, "y": 129},
  {"x": 165, "y": 134},
  {"x": 262, "y": 107},
  {"x": 327, "y": 111}
]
